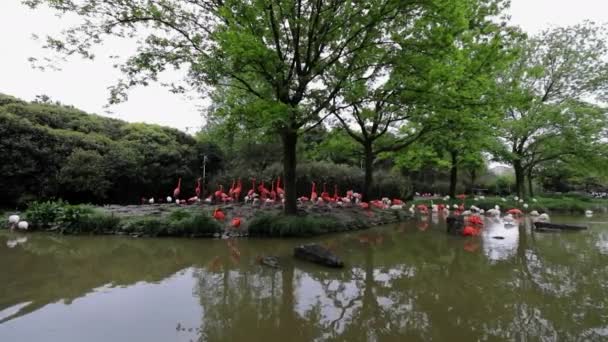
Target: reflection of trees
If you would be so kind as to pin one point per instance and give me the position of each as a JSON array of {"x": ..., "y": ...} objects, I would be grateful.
[
  {"x": 48, "y": 269},
  {"x": 402, "y": 285}
]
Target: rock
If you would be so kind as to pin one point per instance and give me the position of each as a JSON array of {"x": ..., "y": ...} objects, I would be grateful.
[
  {"x": 270, "y": 261},
  {"x": 317, "y": 254},
  {"x": 454, "y": 223}
]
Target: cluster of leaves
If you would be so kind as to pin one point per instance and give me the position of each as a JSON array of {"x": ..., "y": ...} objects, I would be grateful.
[
  {"x": 68, "y": 219},
  {"x": 293, "y": 226}
]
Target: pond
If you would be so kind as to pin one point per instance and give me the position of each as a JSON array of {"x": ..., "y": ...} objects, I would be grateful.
[{"x": 408, "y": 281}]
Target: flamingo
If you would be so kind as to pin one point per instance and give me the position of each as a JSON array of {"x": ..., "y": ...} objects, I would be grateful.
[
  {"x": 236, "y": 222},
  {"x": 336, "y": 196},
  {"x": 324, "y": 194},
  {"x": 313, "y": 193},
  {"x": 197, "y": 190},
  {"x": 218, "y": 214},
  {"x": 231, "y": 188},
  {"x": 13, "y": 219},
  {"x": 22, "y": 225},
  {"x": 237, "y": 191},
  {"x": 220, "y": 192},
  {"x": 252, "y": 190},
  {"x": 515, "y": 212},
  {"x": 177, "y": 190},
  {"x": 470, "y": 231},
  {"x": 263, "y": 190},
  {"x": 280, "y": 190}
]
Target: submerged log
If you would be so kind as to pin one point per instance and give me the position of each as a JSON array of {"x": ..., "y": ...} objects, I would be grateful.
[
  {"x": 556, "y": 226},
  {"x": 317, "y": 254}
]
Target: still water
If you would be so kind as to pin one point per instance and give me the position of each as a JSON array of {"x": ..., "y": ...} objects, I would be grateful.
[{"x": 405, "y": 282}]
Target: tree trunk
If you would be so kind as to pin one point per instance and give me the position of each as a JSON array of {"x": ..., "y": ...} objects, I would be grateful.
[
  {"x": 453, "y": 174},
  {"x": 530, "y": 189},
  {"x": 290, "y": 139},
  {"x": 519, "y": 178},
  {"x": 473, "y": 179},
  {"x": 369, "y": 172}
]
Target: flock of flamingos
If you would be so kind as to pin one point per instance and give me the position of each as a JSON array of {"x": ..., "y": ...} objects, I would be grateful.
[{"x": 259, "y": 195}]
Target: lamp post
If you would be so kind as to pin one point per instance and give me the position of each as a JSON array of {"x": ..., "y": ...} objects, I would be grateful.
[{"x": 204, "y": 169}]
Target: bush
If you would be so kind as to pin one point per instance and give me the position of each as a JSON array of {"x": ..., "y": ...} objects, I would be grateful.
[
  {"x": 292, "y": 226},
  {"x": 197, "y": 225},
  {"x": 44, "y": 215},
  {"x": 93, "y": 224},
  {"x": 149, "y": 226},
  {"x": 179, "y": 214}
]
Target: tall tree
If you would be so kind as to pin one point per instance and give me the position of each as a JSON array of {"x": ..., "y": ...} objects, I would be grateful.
[
  {"x": 278, "y": 51},
  {"x": 545, "y": 114},
  {"x": 439, "y": 74}
]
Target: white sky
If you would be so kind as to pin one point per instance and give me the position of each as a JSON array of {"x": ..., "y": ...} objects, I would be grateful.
[{"x": 84, "y": 83}]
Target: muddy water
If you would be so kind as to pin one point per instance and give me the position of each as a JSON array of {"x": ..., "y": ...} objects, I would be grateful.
[{"x": 409, "y": 281}]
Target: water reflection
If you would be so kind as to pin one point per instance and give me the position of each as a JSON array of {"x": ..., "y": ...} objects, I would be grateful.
[
  {"x": 401, "y": 283},
  {"x": 500, "y": 241}
]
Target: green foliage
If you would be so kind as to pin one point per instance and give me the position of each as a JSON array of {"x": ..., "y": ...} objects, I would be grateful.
[
  {"x": 179, "y": 214},
  {"x": 292, "y": 226},
  {"x": 148, "y": 226},
  {"x": 68, "y": 219},
  {"x": 546, "y": 116},
  {"x": 44, "y": 215},
  {"x": 92, "y": 223},
  {"x": 197, "y": 225},
  {"x": 57, "y": 151},
  {"x": 84, "y": 172}
]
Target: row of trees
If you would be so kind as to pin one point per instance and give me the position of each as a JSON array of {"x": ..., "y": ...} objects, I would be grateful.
[{"x": 450, "y": 77}]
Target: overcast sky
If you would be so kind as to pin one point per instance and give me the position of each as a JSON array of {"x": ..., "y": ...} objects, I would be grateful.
[{"x": 84, "y": 83}]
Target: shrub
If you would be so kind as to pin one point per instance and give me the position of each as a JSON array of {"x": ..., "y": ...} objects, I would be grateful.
[
  {"x": 292, "y": 226},
  {"x": 199, "y": 224},
  {"x": 93, "y": 223},
  {"x": 179, "y": 214},
  {"x": 71, "y": 216},
  {"x": 149, "y": 226},
  {"x": 44, "y": 215}
]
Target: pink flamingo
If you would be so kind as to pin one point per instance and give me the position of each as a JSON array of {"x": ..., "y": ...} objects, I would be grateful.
[{"x": 177, "y": 190}]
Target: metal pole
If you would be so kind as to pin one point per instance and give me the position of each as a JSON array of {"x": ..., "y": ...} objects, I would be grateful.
[{"x": 204, "y": 169}]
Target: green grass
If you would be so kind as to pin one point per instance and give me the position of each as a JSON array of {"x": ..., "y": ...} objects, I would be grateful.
[{"x": 293, "y": 226}]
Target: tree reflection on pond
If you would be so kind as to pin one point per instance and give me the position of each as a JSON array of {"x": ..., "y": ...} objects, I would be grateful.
[{"x": 400, "y": 283}]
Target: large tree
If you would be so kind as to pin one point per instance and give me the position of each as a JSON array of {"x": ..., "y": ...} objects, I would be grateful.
[
  {"x": 546, "y": 116},
  {"x": 439, "y": 76},
  {"x": 278, "y": 51}
]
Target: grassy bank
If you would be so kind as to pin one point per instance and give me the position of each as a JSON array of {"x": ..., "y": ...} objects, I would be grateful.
[
  {"x": 566, "y": 204},
  {"x": 169, "y": 220}
]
